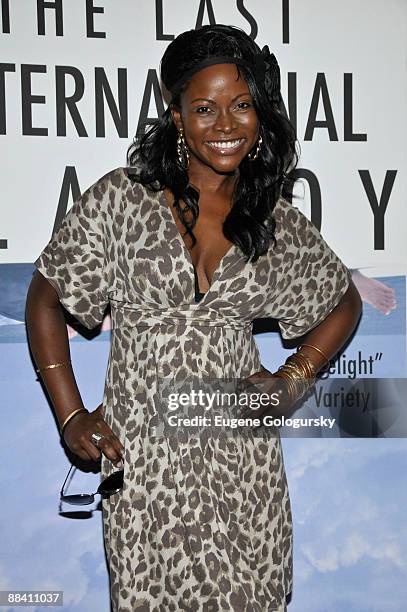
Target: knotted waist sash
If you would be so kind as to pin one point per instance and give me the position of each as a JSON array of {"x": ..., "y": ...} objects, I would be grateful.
[
  {"x": 126, "y": 314},
  {"x": 157, "y": 320}
]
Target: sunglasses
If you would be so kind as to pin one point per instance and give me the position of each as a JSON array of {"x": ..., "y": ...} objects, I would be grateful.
[{"x": 108, "y": 486}]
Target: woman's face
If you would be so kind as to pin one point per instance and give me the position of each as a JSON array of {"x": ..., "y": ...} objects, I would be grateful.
[{"x": 218, "y": 118}]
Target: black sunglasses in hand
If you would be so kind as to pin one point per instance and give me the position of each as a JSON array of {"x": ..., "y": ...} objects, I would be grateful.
[{"x": 108, "y": 486}]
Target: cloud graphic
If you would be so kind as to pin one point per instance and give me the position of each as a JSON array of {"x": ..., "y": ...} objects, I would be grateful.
[{"x": 348, "y": 498}]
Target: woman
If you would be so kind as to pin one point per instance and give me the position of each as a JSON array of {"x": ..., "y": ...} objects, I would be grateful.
[{"x": 199, "y": 525}]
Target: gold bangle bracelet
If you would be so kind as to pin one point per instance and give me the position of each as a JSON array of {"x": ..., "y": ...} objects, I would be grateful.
[
  {"x": 296, "y": 366},
  {"x": 53, "y": 365},
  {"x": 307, "y": 364},
  {"x": 291, "y": 388},
  {"x": 297, "y": 371},
  {"x": 317, "y": 349},
  {"x": 293, "y": 380},
  {"x": 298, "y": 374},
  {"x": 295, "y": 376},
  {"x": 69, "y": 417},
  {"x": 309, "y": 370}
]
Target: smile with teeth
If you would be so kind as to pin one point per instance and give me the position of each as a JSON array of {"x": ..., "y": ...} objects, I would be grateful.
[{"x": 225, "y": 144}]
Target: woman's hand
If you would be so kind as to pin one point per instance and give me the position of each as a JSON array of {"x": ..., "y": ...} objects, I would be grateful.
[
  {"x": 77, "y": 436},
  {"x": 264, "y": 382}
]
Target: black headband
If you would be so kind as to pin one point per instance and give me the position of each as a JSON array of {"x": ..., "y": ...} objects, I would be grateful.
[
  {"x": 209, "y": 61},
  {"x": 265, "y": 70}
]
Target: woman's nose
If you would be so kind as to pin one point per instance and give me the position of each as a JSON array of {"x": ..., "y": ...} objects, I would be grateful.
[{"x": 224, "y": 121}]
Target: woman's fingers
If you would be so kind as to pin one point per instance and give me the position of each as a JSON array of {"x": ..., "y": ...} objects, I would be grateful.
[
  {"x": 115, "y": 442},
  {"x": 112, "y": 439},
  {"x": 110, "y": 442},
  {"x": 118, "y": 447},
  {"x": 79, "y": 449},
  {"x": 78, "y": 436},
  {"x": 90, "y": 447},
  {"x": 109, "y": 450}
]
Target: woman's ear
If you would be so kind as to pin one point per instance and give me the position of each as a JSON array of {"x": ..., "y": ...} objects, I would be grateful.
[{"x": 176, "y": 117}]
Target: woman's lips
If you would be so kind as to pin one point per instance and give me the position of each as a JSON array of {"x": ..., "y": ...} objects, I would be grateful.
[{"x": 225, "y": 147}]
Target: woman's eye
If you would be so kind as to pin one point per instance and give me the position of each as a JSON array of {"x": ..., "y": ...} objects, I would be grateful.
[
  {"x": 202, "y": 109},
  {"x": 243, "y": 105}
]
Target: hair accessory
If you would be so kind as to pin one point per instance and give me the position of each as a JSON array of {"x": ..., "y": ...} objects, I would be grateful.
[
  {"x": 53, "y": 365},
  {"x": 71, "y": 416},
  {"x": 182, "y": 150},
  {"x": 208, "y": 61},
  {"x": 267, "y": 73},
  {"x": 252, "y": 156},
  {"x": 265, "y": 69}
]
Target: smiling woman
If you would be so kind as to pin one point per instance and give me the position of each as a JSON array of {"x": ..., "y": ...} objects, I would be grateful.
[
  {"x": 224, "y": 108},
  {"x": 222, "y": 128},
  {"x": 203, "y": 522}
]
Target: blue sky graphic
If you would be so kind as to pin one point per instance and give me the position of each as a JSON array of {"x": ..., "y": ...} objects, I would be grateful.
[{"x": 348, "y": 499}]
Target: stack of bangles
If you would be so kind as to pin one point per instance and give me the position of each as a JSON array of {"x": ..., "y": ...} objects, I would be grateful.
[
  {"x": 75, "y": 412},
  {"x": 299, "y": 373}
]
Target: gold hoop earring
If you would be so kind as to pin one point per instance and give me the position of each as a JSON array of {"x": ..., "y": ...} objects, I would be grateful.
[
  {"x": 182, "y": 150},
  {"x": 252, "y": 156}
]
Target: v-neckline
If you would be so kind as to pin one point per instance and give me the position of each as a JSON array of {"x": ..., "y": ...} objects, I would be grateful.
[{"x": 163, "y": 200}]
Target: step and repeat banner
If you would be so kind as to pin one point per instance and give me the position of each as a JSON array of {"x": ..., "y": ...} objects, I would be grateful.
[{"x": 78, "y": 80}]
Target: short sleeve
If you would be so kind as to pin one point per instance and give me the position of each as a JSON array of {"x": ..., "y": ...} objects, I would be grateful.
[
  {"x": 308, "y": 278},
  {"x": 75, "y": 260}
]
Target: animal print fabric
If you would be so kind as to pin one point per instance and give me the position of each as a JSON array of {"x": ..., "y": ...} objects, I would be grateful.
[{"x": 199, "y": 525}]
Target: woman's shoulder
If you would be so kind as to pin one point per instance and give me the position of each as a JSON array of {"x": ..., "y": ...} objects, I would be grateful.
[
  {"x": 292, "y": 226},
  {"x": 117, "y": 177},
  {"x": 123, "y": 180},
  {"x": 286, "y": 211}
]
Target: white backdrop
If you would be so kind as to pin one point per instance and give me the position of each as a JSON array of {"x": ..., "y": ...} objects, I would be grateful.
[{"x": 346, "y": 71}]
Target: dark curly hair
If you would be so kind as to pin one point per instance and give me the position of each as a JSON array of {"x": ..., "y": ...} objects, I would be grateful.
[{"x": 153, "y": 159}]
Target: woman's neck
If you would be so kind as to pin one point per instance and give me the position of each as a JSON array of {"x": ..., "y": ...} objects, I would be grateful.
[{"x": 212, "y": 183}]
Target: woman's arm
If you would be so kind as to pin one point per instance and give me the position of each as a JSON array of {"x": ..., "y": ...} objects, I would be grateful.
[
  {"x": 329, "y": 336},
  {"x": 48, "y": 338},
  {"x": 332, "y": 333}
]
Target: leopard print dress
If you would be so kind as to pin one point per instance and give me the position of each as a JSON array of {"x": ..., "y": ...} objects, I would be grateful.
[{"x": 203, "y": 523}]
